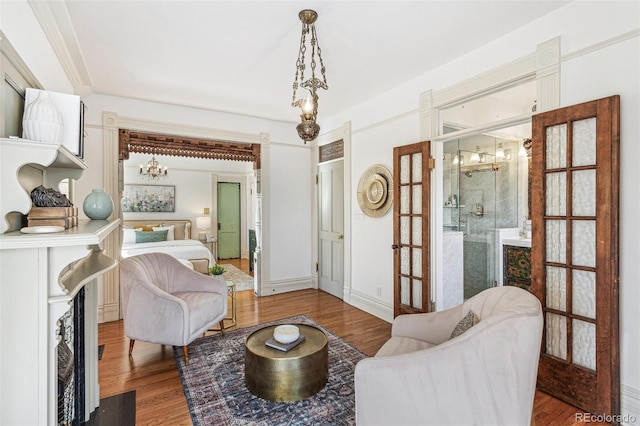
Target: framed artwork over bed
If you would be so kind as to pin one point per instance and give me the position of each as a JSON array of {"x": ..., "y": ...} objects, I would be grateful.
[{"x": 149, "y": 198}]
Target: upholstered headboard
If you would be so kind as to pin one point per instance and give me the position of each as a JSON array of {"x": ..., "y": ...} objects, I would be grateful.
[{"x": 182, "y": 228}]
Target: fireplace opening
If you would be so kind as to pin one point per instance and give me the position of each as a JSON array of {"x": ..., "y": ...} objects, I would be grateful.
[{"x": 70, "y": 364}]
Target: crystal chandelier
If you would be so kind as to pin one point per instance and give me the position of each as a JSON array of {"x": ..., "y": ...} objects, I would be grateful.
[
  {"x": 153, "y": 170},
  {"x": 308, "y": 129}
]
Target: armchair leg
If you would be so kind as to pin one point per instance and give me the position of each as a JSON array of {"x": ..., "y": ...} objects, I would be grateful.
[
  {"x": 222, "y": 327},
  {"x": 131, "y": 343},
  {"x": 185, "y": 351}
]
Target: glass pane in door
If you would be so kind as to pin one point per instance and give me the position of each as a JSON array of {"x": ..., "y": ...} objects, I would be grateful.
[
  {"x": 417, "y": 294},
  {"x": 557, "y": 288},
  {"x": 584, "y": 243},
  {"x": 583, "y": 199},
  {"x": 584, "y": 142},
  {"x": 584, "y": 293},
  {"x": 556, "y": 331},
  {"x": 584, "y": 344}
]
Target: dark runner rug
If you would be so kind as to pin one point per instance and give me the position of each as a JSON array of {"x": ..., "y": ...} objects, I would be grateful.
[{"x": 214, "y": 385}]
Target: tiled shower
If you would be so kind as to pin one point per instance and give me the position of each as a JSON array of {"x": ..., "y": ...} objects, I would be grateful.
[{"x": 483, "y": 194}]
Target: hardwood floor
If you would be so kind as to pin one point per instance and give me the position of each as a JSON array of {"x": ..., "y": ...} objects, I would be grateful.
[{"x": 152, "y": 371}]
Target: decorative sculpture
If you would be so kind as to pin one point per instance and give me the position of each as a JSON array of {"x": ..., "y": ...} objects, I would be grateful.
[{"x": 49, "y": 197}]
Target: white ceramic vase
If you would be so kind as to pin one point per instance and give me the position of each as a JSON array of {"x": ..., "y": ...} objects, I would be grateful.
[{"x": 42, "y": 121}]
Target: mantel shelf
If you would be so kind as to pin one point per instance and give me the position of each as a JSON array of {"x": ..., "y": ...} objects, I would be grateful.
[
  {"x": 63, "y": 158},
  {"x": 88, "y": 232}
]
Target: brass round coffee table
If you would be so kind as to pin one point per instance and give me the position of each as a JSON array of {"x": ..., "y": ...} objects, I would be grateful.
[{"x": 286, "y": 376}]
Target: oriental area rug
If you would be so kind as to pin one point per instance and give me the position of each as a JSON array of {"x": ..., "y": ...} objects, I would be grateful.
[
  {"x": 214, "y": 384},
  {"x": 242, "y": 281}
]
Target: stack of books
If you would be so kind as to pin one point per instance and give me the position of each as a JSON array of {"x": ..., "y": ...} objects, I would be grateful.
[
  {"x": 53, "y": 216},
  {"x": 284, "y": 347}
]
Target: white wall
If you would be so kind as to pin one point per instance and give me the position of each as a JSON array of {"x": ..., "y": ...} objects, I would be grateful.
[
  {"x": 391, "y": 119},
  {"x": 290, "y": 179},
  {"x": 374, "y": 236}
]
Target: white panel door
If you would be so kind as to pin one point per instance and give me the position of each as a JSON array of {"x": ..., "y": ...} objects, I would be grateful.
[{"x": 331, "y": 224}]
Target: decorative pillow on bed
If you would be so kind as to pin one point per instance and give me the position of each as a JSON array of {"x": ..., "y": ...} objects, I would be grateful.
[
  {"x": 180, "y": 232},
  {"x": 169, "y": 228},
  {"x": 151, "y": 237},
  {"x": 148, "y": 227},
  {"x": 129, "y": 235}
]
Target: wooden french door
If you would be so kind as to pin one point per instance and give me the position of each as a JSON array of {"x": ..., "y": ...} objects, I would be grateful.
[
  {"x": 411, "y": 186},
  {"x": 574, "y": 206}
]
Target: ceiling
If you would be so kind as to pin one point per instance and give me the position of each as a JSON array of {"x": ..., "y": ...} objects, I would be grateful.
[{"x": 239, "y": 56}]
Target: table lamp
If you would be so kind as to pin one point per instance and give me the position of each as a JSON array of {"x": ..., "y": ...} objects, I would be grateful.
[{"x": 203, "y": 223}]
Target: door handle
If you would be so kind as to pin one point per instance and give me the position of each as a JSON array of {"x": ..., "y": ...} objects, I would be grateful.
[
  {"x": 340, "y": 237},
  {"x": 395, "y": 247},
  {"x": 218, "y": 226}
]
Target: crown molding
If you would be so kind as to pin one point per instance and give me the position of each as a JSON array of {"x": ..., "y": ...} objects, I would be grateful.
[{"x": 54, "y": 19}]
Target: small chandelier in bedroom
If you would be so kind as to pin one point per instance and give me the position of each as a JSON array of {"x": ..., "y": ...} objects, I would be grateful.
[
  {"x": 308, "y": 129},
  {"x": 154, "y": 170}
]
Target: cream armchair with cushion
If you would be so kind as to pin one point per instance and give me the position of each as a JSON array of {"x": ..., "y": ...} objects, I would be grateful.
[
  {"x": 484, "y": 376},
  {"x": 166, "y": 302}
]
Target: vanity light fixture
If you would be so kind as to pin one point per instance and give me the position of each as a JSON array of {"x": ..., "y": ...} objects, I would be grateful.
[
  {"x": 525, "y": 148},
  {"x": 308, "y": 129},
  {"x": 502, "y": 154},
  {"x": 475, "y": 157},
  {"x": 458, "y": 159}
]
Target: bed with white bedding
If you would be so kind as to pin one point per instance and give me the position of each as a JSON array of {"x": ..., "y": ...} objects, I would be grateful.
[{"x": 178, "y": 242}]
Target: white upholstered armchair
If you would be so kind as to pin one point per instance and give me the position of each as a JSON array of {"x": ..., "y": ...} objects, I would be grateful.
[
  {"x": 485, "y": 376},
  {"x": 166, "y": 302}
]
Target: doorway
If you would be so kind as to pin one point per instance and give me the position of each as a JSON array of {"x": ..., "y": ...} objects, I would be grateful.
[
  {"x": 228, "y": 220},
  {"x": 119, "y": 142},
  {"x": 480, "y": 189},
  {"x": 331, "y": 227},
  {"x": 482, "y": 205}
]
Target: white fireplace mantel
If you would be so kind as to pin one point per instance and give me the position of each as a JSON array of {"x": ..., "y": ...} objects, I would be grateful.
[{"x": 39, "y": 276}]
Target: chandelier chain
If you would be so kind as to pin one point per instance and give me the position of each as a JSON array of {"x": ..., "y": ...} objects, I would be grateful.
[
  {"x": 299, "y": 68},
  {"x": 308, "y": 129}
]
